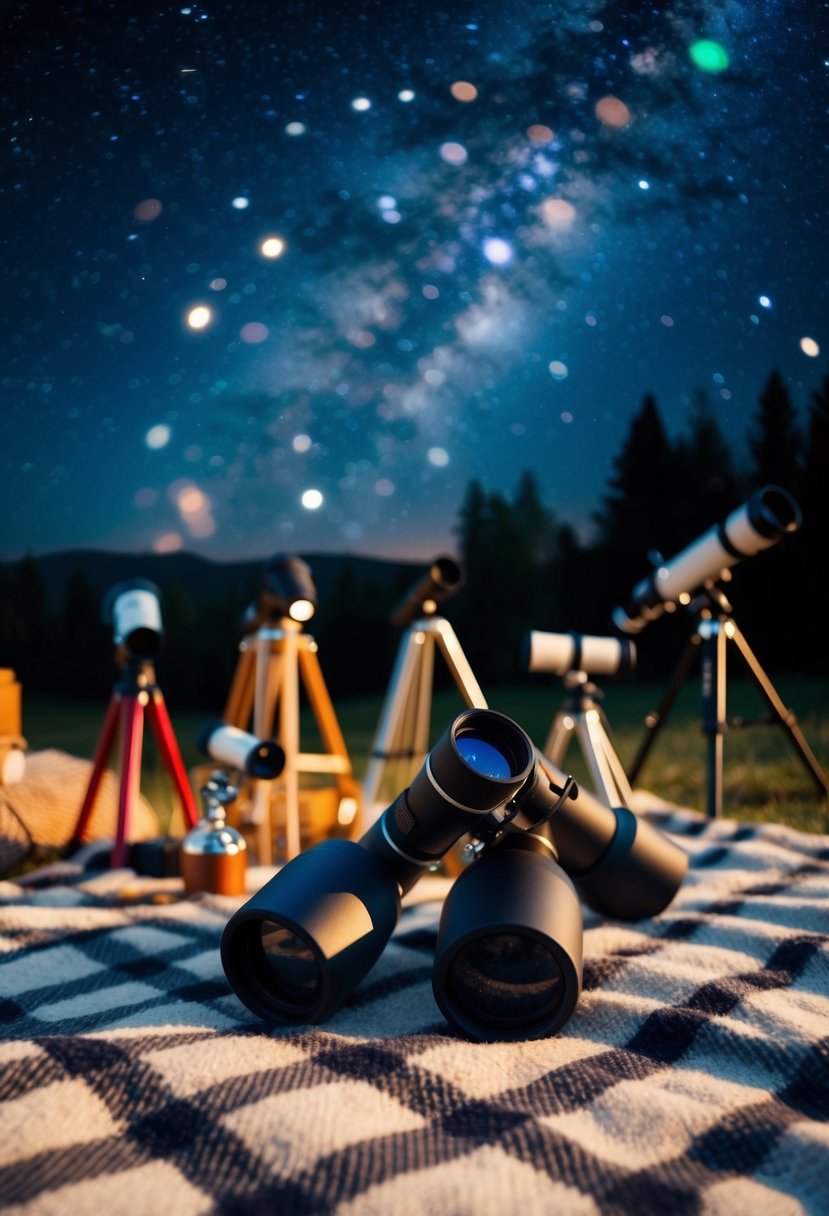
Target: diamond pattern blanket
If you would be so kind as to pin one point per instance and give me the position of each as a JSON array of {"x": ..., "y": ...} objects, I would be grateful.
[{"x": 692, "y": 1078}]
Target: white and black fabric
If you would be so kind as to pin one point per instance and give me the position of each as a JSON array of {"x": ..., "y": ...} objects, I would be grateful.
[{"x": 692, "y": 1079}]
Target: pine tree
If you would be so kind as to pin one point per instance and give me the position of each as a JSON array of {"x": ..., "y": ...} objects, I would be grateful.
[
  {"x": 774, "y": 439},
  {"x": 712, "y": 482}
]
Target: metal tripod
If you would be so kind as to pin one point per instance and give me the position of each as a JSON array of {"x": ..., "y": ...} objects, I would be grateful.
[
  {"x": 402, "y": 736},
  {"x": 581, "y": 715},
  {"x": 133, "y": 695},
  {"x": 715, "y": 629}
]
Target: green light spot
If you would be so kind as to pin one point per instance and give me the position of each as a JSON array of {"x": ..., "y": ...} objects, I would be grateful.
[{"x": 709, "y": 56}]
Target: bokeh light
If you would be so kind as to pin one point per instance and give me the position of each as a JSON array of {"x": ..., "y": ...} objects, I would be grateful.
[
  {"x": 199, "y": 316},
  {"x": 540, "y": 134},
  {"x": 148, "y": 210},
  {"x": 158, "y": 436},
  {"x": 809, "y": 347},
  {"x": 764, "y": 301},
  {"x": 708, "y": 56},
  {"x": 406, "y": 95},
  {"x": 253, "y": 333},
  {"x": 612, "y": 112},
  {"x": 462, "y": 90},
  {"x": 439, "y": 457},
  {"x": 454, "y": 153},
  {"x": 498, "y": 251},
  {"x": 168, "y": 542},
  {"x": 240, "y": 203},
  {"x": 361, "y": 104},
  {"x": 312, "y": 500},
  {"x": 558, "y": 370},
  {"x": 295, "y": 128},
  {"x": 557, "y": 213},
  {"x": 272, "y": 247},
  {"x": 301, "y": 442}
]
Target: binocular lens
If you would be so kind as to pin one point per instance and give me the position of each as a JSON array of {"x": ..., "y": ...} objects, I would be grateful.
[
  {"x": 291, "y": 964},
  {"x": 507, "y": 978},
  {"x": 483, "y": 757}
]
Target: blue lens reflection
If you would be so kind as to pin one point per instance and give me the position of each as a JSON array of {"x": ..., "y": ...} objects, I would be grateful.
[{"x": 483, "y": 757}]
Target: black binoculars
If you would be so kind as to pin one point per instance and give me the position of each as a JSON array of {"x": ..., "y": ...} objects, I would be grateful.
[{"x": 508, "y": 960}]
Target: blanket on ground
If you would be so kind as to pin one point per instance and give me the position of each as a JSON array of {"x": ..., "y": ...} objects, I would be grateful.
[{"x": 692, "y": 1078}]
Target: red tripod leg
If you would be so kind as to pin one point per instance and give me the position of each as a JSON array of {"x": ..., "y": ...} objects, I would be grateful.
[
  {"x": 168, "y": 749},
  {"x": 132, "y": 717},
  {"x": 99, "y": 764}
]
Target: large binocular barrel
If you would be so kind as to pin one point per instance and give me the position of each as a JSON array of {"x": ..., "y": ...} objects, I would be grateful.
[
  {"x": 560, "y": 653},
  {"x": 508, "y": 962},
  {"x": 442, "y": 580},
  {"x": 758, "y": 524}
]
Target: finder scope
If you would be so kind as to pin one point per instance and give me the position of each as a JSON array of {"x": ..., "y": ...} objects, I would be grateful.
[
  {"x": 766, "y": 518},
  {"x": 261, "y": 759}
]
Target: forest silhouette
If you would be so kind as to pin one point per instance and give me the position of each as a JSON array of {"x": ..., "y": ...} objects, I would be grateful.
[{"x": 525, "y": 569}]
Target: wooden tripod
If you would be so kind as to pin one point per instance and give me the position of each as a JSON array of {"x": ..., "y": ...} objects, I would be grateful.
[{"x": 273, "y": 664}]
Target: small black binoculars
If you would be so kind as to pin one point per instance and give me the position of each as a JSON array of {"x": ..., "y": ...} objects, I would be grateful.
[{"x": 508, "y": 960}]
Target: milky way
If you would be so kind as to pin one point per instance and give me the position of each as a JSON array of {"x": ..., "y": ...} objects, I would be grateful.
[{"x": 284, "y": 277}]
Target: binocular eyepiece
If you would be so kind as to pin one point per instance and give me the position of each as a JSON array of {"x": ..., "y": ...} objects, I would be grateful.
[{"x": 508, "y": 960}]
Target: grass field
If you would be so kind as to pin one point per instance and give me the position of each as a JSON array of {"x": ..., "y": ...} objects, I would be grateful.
[{"x": 765, "y": 779}]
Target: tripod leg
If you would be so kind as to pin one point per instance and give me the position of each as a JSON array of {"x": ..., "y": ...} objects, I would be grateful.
[
  {"x": 423, "y": 712},
  {"x": 132, "y": 736},
  {"x": 321, "y": 704},
  {"x": 458, "y": 665},
  {"x": 605, "y": 767},
  {"x": 288, "y": 674},
  {"x": 239, "y": 704},
  {"x": 389, "y": 741},
  {"x": 168, "y": 750},
  {"x": 99, "y": 763},
  {"x": 784, "y": 716},
  {"x": 561, "y": 732},
  {"x": 269, "y": 661},
  {"x": 714, "y": 722},
  {"x": 656, "y": 719}
]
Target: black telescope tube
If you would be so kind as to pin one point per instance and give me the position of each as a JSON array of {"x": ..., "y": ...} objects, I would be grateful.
[
  {"x": 442, "y": 580},
  {"x": 296, "y": 950}
]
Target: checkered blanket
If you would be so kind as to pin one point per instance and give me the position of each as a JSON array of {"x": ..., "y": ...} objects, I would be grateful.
[{"x": 693, "y": 1077}]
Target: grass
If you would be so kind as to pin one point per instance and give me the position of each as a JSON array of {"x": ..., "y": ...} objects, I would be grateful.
[{"x": 765, "y": 780}]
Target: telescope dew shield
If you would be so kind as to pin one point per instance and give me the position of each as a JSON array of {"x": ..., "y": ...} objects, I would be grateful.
[
  {"x": 133, "y": 609},
  {"x": 621, "y": 865},
  {"x": 769, "y": 514},
  {"x": 508, "y": 960},
  {"x": 443, "y": 579},
  {"x": 560, "y": 653},
  {"x": 261, "y": 759}
]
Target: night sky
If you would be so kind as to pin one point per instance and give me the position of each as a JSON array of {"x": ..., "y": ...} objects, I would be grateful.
[{"x": 287, "y": 276}]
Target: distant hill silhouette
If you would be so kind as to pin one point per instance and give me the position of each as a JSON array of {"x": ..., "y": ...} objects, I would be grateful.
[{"x": 202, "y": 578}]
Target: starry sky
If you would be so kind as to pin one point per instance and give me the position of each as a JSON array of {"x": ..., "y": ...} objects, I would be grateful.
[{"x": 287, "y": 276}]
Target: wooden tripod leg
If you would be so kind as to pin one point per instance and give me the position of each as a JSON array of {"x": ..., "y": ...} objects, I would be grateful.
[
  {"x": 239, "y": 704},
  {"x": 321, "y": 705}
]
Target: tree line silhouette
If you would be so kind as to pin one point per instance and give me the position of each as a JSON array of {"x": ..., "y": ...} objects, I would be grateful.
[{"x": 525, "y": 569}]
